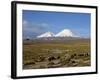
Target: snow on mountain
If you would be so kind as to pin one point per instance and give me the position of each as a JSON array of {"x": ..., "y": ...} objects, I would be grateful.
[
  {"x": 47, "y": 34},
  {"x": 65, "y": 33}
]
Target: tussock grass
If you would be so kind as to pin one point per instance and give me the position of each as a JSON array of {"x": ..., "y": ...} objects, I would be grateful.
[{"x": 37, "y": 54}]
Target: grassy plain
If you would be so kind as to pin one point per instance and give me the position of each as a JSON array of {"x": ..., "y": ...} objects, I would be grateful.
[{"x": 39, "y": 54}]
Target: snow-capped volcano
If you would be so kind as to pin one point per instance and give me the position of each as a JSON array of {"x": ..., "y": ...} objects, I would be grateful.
[
  {"x": 47, "y": 34},
  {"x": 65, "y": 33}
]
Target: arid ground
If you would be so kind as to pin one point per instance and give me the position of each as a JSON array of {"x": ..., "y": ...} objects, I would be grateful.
[{"x": 38, "y": 54}]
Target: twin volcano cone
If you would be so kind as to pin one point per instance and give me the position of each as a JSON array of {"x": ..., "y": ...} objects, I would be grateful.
[{"x": 63, "y": 33}]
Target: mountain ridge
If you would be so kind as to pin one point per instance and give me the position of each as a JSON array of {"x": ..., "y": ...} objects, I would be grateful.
[{"x": 63, "y": 33}]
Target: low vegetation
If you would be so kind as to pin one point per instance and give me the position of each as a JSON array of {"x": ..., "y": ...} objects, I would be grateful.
[{"x": 53, "y": 54}]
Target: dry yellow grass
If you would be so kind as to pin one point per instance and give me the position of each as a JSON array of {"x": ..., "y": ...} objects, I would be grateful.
[{"x": 56, "y": 54}]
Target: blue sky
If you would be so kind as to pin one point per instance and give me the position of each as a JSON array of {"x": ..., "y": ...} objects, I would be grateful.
[{"x": 38, "y": 22}]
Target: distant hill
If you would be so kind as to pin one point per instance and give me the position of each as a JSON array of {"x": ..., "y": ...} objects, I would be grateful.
[{"x": 63, "y": 35}]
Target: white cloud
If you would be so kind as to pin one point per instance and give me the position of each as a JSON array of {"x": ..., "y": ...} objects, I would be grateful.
[{"x": 31, "y": 28}]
